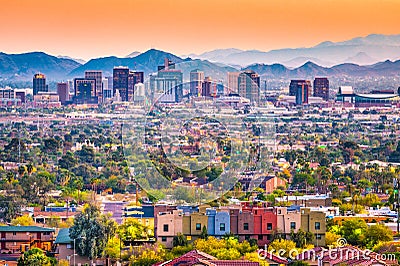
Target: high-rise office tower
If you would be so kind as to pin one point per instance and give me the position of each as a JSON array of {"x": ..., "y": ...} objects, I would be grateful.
[
  {"x": 139, "y": 96},
  {"x": 63, "y": 92},
  {"x": 233, "y": 78},
  {"x": 98, "y": 76},
  {"x": 71, "y": 88},
  {"x": 208, "y": 88},
  {"x": 249, "y": 85},
  {"x": 85, "y": 91},
  {"x": 134, "y": 77},
  {"x": 168, "y": 64},
  {"x": 295, "y": 82},
  {"x": 39, "y": 83},
  {"x": 168, "y": 83},
  {"x": 220, "y": 88},
  {"x": 302, "y": 92},
  {"x": 196, "y": 81},
  {"x": 107, "y": 91},
  {"x": 120, "y": 82},
  {"x": 321, "y": 88}
]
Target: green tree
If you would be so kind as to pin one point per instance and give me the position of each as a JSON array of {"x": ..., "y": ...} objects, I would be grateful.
[
  {"x": 354, "y": 231},
  {"x": 377, "y": 233},
  {"x": 148, "y": 255},
  {"x": 204, "y": 233},
  {"x": 67, "y": 161},
  {"x": 10, "y": 207},
  {"x": 278, "y": 245},
  {"x": 331, "y": 238},
  {"x": 301, "y": 238},
  {"x": 92, "y": 230},
  {"x": 131, "y": 230},
  {"x": 112, "y": 249},
  {"x": 24, "y": 220},
  {"x": 179, "y": 240},
  {"x": 34, "y": 257}
]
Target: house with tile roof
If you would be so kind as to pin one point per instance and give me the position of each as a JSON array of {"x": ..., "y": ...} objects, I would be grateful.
[{"x": 198, "y": 258}]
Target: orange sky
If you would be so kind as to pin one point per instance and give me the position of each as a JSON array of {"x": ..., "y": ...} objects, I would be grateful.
[{"x": 94, "y": 28}]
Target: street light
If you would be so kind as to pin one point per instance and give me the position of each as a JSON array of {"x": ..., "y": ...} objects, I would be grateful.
[{"x": 80, "y": 237}]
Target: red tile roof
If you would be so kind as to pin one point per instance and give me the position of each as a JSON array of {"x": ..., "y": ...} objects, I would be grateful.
[
  {"x": 234, "y": 263},
  {"x": 272, "y": 257},
  {"x": 196, "y": 257}
]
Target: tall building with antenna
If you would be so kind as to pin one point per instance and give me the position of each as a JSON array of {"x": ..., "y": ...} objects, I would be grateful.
[
  {"x": 120, "y": 82},
  {"x": 39, "y": 83},
  {"x": 134, "y": 77}
]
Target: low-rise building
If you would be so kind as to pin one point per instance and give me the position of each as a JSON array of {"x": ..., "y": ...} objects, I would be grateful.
[
  {"x": 323, "y": 200},
  {"x": 46, "y": 100},
  {"x": 314, "y": 222},
  {"x": 18, "y": 239},
  {"x": 64, "y": 248},
  {"x": 169, "y": 225},
  {"x": 218, "y": 222},
  {"x": 287, "y": 221}
]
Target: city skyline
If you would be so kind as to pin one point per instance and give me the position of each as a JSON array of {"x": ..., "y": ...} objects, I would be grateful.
[{"x": 97, "y": 28}]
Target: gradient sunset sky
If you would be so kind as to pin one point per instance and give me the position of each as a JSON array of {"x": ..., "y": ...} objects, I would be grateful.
[{"x": 95, "y": 28}]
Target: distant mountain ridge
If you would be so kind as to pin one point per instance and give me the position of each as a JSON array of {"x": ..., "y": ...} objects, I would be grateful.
[
  {"x": 361, "y": 50},
  {"x": 310, "y": 70},
  {"x": 146, "y": 62},
  {"x": 23, "y": 66},
  {"x": 80, "y": 61}
]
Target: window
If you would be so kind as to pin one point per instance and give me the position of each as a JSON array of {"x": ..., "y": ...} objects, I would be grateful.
[
  {"x": 293, "y": 225},
  {"x": 317, "y": 226},
  {"x": 246, "y": 226},
  {"x": 269, "y": 226},
  {"x": 269, "y": 237},
  {"x": 164, "y": 239},
  {"x": 46, "y": 233},
  {"x": 198, "y": 226},
  {"x": 221, "y": 227},
  {"x": 14, "y": 233},
  {"x": 318, "y": 236},
  {"x": 260, "y": 237},
  {"x": 69, "y": 246},
  {"x": 166, "y": 228},
  {"x": 279, "y": 211}
]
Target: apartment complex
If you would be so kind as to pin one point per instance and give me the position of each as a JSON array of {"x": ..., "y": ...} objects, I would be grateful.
[{"x": 247, "y": 221}]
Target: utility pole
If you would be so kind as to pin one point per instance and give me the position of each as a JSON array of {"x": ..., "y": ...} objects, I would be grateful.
[{"x": 396, "y": 192}]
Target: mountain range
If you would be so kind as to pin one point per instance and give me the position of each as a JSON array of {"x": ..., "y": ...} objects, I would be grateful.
[
  {"x": 21, "y": 67},
  {"x": 310, "y": 70},
  {"x": 361, "y": 50}
]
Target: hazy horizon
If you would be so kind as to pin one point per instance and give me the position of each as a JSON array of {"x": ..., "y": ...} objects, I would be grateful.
[{"x": 98, "y": 28}]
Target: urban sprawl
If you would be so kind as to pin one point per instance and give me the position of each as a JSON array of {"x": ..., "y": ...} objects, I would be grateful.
[{"x": 173, "y": 170}]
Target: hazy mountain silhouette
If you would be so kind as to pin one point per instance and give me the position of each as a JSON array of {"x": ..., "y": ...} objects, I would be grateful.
[
  {"x": 375, "y": 47},
  {"x": 24, "y": 66}
]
